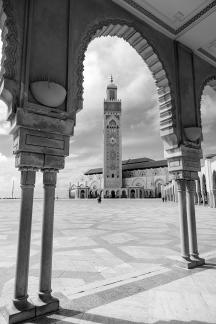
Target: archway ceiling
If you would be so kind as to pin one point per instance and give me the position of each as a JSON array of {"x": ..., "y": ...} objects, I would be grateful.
[{"x": 191, "y": 22}]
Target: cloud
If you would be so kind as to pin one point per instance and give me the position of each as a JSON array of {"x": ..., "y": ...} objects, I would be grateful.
[
  {"x": 208, "y": 115},
  {"x": 3, "y": 158},
  {"x": 4, "y": 125}
]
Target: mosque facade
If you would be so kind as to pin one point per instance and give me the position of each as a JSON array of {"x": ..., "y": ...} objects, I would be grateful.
[{"x": 133, "y": 178}]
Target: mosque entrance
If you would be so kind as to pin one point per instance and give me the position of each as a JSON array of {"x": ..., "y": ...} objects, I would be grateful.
[
  {"x": 132, "y": 194},
  {"x": 82, "y": 194},
  {"x": 113, "y": 194}
]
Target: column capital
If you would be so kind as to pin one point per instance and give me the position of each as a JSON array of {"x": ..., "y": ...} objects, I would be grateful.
[
  {"x": 49, "y": 177},
  {"x": 180, "y": 184},
  {"x": 190, "y": 186},
  {"x": 28, "y": 175}
]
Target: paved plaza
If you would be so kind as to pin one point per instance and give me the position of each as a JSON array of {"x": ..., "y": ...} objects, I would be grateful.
[{"x": 115, "y": 262}]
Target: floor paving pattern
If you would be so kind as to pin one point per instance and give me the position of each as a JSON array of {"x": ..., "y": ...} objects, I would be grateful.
[{"x": 115, "y": 262}]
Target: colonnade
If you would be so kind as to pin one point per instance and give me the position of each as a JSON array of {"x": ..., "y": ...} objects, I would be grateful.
[
  {"x": 28, "y": 176},
  {"x": 201, "y": 196}
]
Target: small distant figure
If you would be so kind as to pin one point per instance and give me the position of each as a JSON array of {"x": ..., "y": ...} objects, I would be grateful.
[
  {"x": 99, "y": 198},
  {"x": 163, "y": 199}
]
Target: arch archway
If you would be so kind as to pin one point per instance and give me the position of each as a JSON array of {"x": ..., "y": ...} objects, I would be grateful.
[
  {"x": 113, "y": 195},
  {"x": 209, "y": 82},
  {"x": 132, "y": 194},
  {"x": 158, "y": 187},
  {"x": 82, "y": 194},
  {"x": 130, "y": 33},
  {"x": 124, "y": 195}
]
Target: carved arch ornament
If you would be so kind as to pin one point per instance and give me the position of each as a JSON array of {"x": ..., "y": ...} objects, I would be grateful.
[
  {"x": 210, "y": 81},
  {"x": 9, "y": 70},
  {"x": 127, "y": 31},
  {"x": 157, "y": 181},
  {"x": 138, "y": 182}
]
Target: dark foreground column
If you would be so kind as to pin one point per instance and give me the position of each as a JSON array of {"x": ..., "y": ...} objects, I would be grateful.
[
  {"x": 183, "y": 222},
  {"x": 190, "y": 191},
  {"x": 214, "y": 198},
  {"x": 24, "y": 237},
  {"x": 51, "y": 304}
]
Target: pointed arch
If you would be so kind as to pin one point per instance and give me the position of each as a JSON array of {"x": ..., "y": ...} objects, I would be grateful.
[
  {"x": 210, "y": 81},
  {"x": 125, "y": 30}
]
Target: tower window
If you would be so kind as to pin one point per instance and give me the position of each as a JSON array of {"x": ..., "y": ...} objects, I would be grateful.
[{"x": 112, "y": 95}]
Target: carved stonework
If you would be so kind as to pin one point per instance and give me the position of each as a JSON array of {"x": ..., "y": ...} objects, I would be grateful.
[
  {"x": 200, "y": 93},
  {"x": 184, "y": 162},
  {"x": 9, "y": 70},
  {"x": 190, "y": 186},
  {"x": 180, "y": 184}
]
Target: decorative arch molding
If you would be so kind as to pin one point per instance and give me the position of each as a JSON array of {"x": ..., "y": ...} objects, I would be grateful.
[
  {"x": 9, "y": 69},
  {"x": 210, "y": 81},
  {"x": 159, "y": 181},
  {"x": 138, "y": 182},
  {"x": 94, "y": 185},
  {"x": 112, "y": 118},
  {"x": 130, "y": 33}
]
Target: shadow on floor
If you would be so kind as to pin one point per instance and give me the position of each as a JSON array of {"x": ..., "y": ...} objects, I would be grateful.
[
  {"x": 74, "y": 310},
  {"x": 72, "y": 317}
]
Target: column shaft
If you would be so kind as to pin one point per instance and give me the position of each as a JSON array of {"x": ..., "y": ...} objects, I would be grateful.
[
  {"x": 49, "y": 180},
  {"x": 24, "y": 236},
  {"x": 183, "y": 218},
  {"x": 190, "y": 190}
]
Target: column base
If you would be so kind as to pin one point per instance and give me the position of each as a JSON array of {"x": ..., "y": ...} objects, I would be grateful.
[
  {"x": 46, "y": 304},
  {"x": 18, "y": 313},
  {"x": 185, "y": 263},
  {"x": 197, "y": 260},
  {"x": 189, "y": 263}
]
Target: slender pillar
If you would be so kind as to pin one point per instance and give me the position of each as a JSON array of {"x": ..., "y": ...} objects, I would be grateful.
[
  {"x": 203, "y": 198},
  {"x": 214, "y": 198},
  {"x": 214, "y": 194},
  {"x": 190, "y": 191},
  {"x": 198, "y": 192},
  {"x": 49, "y": 181},
  {"x": 183, "y": 219},
  {"x": 27, "y": 184}
]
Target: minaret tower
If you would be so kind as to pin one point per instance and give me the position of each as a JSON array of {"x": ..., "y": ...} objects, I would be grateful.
[{"x": 112, "y": 139}]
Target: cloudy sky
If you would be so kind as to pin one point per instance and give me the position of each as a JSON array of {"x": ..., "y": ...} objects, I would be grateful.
[{"x": 140, "y": 116}]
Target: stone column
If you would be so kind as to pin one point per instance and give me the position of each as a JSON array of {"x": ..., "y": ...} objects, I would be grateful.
[
  {"x": 198, "y": 192},
  {"x": 211, "y": 199},
  {"x": 190, "y": 191},
  {"x": 49, "y": 181},
  {"x": 203, "y": 198},
  {"x": 183, "y": 219},
  {"x": 27, "y": 184},
  {"x": 214, "y": 198}
]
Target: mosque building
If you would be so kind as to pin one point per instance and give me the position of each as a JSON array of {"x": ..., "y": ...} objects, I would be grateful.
[{"x": 133, "y": 178}]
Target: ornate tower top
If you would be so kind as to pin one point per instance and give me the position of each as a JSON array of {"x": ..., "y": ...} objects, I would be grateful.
[{"x": 111, "y": 91}]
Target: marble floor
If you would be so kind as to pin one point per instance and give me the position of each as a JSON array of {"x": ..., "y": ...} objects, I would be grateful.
[{"x": 116, "y": 262}]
